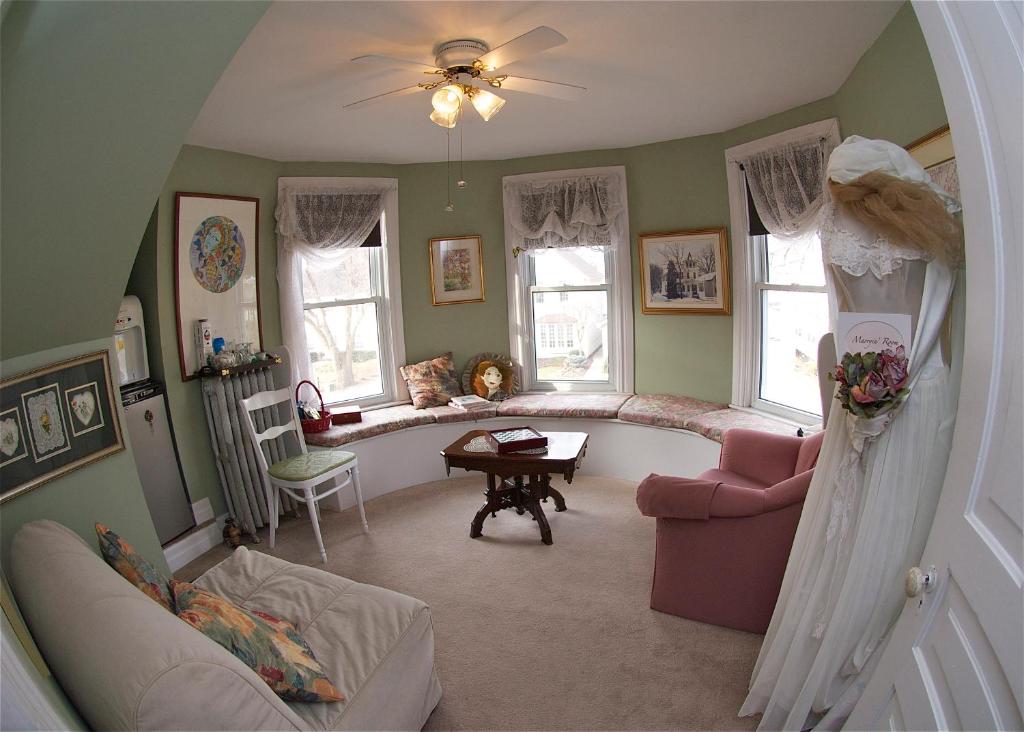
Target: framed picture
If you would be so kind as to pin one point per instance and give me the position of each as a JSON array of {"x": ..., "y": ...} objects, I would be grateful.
[
  {"x": 935, "y": 153},
  {"x": 216, "y": 264},
  {"x": 456, "y": 270},
  {"x": 54, "y": 420},
  {"x": 685, "y": 272}
]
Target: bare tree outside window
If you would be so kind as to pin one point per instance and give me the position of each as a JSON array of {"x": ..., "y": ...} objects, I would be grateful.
[{"x": 342, "y": 306}]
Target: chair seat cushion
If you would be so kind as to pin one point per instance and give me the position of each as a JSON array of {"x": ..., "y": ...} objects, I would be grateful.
[
  {"x": 376, "y": 645},
  {"x": 309, "y": 465}
]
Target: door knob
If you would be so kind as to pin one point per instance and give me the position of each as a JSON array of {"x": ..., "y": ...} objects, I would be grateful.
[{"x": 918, "y": 581}]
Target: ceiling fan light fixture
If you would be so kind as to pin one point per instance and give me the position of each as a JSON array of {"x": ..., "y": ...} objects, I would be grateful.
[
  {"x": 445, "y": 120},
  {"x": 486, "y": 104},
  {"x": 448, "y": 99}
]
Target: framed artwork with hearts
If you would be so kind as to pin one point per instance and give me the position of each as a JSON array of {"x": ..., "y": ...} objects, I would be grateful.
[{"x": 56, "y": 419}]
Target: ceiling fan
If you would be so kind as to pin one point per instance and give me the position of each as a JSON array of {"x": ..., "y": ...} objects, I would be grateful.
[{"x": 460, "y": 62}]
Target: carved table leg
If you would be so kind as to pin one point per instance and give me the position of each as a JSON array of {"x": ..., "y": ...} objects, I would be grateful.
[
  {"x": 476, "y": 528},
  {"x": 542, "y": 521},
  {"x": 559, "y": 500}
]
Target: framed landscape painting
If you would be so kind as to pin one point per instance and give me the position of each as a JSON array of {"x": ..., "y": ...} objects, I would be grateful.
[
  {"x": 685, "y": 272},
  {"x": 216, "y": 263},
  {"x": 456, "y": 270},
  {"x": 54, "y": 420}
]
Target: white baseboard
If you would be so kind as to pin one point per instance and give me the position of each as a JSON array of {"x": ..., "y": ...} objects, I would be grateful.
[{"x": 194, "y": 545}]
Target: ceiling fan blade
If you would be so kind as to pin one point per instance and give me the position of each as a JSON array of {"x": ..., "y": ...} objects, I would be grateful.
[
  {"x": 539, "y": 39},
  {"x": 556, "y": 89},
  {"x": 382, "y": 97},
  {"x": 398, "y": 63}
]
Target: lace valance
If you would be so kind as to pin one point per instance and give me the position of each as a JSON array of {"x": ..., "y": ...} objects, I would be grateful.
[
  {"x": 563, "y": 212},
  {"x": 320, "y": 219},
  {"x": 787, "y": 185}
]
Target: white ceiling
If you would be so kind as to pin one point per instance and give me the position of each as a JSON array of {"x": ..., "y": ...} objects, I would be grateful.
[{"x": 654, "y": 70}]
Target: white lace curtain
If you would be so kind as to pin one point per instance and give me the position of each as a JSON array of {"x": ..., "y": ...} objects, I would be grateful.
[
  {"x": 787, "y": 185},
  {"x": 318, "y": 219},
  {"x": 574, "y": 211}
]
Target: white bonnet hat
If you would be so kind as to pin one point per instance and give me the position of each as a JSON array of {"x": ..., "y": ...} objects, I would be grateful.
[{"x": 858, "y": 156}]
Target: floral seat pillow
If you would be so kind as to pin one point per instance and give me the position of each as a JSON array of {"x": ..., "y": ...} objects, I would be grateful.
[
  {"x": 432, "y": 383},
  {"x": 269, "y": 646},
  {"x": 122, "y": 556}
]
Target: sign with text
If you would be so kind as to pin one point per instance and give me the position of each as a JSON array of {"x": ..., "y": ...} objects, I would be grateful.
[{"x": 876, "y": 332}]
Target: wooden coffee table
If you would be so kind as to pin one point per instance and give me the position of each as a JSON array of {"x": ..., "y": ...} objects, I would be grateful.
[{"x": 506, "y": 487}]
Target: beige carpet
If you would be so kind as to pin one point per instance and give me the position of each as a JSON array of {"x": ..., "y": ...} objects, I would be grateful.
[{"x": 532, "y": 636}]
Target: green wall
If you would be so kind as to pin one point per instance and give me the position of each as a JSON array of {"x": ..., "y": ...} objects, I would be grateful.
[{"x": 892, "y": 93}]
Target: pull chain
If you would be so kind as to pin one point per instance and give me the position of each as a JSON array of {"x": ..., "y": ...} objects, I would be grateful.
[
  {"x": 461, "y": 182},
  {"x": 451, "y": 206}
]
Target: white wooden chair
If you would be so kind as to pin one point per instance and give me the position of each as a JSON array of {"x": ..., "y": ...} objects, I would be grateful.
[{"x": 299, "y": 475}]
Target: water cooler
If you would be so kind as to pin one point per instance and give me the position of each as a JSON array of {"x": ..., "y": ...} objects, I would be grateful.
[{"x": 149, "y": 427}]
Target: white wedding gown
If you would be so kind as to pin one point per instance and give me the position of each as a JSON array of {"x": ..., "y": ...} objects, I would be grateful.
[{"x": 867, "y": 515}]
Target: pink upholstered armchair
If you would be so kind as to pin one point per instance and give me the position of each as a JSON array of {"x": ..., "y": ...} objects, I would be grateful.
[{"x": 723, "y": 538}]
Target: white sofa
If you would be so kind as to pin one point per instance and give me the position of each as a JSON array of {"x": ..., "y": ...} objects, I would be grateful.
[{"x": 127, "y": 663}]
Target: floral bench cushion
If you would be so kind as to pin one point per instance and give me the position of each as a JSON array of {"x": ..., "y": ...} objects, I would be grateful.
[
  {"x": 592, "y": 406},
  {"x": 665, "y": 410},
  {"x": 375, "y": 422},
  {"x": 447, "y": 415},
  {"x": 714, "y": 424}
]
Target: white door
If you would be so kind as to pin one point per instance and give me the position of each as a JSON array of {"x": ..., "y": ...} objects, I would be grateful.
[{"x": 954, "y": 660}]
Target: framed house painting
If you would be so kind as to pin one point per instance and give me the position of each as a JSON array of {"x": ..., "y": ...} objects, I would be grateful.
[
  {"x": 935, "y": 153},
  {"x": 685, "y": 272},
  {"x": 456, "y": 270},
  {"x": 216, "y": 264},
  {"x": 54, "y": 420}
]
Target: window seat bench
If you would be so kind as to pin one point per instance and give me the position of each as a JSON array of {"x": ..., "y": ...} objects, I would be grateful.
[
  {"x": 631, "y": 436},
  {"x": 709, "y": 419}
]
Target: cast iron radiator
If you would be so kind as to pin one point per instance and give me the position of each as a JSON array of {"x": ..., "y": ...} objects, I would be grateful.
[{"x": 240, "y": 476}]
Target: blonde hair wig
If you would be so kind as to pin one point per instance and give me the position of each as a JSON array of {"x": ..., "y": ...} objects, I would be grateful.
[{"x": 906, "y": 211}]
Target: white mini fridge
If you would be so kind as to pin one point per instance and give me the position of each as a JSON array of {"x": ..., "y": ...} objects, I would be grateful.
[{"x": 149, "y": 428}]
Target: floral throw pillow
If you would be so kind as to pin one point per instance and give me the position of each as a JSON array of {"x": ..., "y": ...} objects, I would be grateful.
[
  {"x": 432, "y": 383},
  {"x": 269, "y": 646},
  {"x": 122, "y": 556}
]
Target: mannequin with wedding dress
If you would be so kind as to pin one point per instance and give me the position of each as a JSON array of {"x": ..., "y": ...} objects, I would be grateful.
[{"x": 890, "y": 245}]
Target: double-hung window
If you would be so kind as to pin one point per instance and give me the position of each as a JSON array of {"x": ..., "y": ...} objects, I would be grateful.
[
  {"x": 570, "y": 299},
  {"x": 341, "y": 306},
  {"x": 792, "y": 305},
  {"x": 347, "y": 331},
  {"x": 780, "y": 298}
]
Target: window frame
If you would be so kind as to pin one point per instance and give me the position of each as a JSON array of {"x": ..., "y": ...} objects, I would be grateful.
[
  {"x": 749, "y": 254},
  {"x": 387, "y": 274},
  {"x": 619, "y": 285},
  {"x": 761, "y": 285}
]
